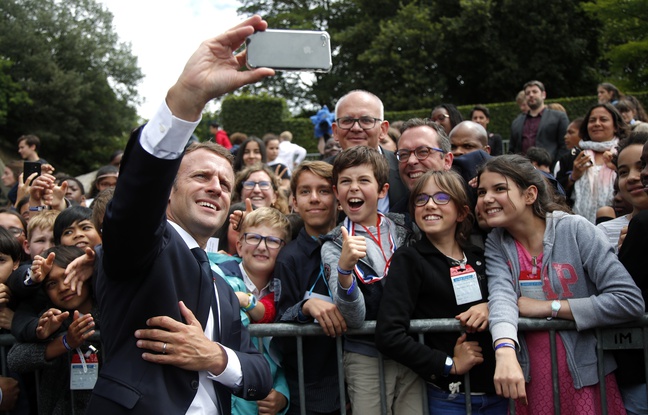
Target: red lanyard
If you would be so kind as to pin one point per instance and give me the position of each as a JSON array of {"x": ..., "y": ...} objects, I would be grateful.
[{"x": 378, "y": 241}]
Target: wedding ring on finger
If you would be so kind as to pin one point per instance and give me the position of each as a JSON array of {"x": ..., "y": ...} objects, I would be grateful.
[{"x": 164, "y": 348}]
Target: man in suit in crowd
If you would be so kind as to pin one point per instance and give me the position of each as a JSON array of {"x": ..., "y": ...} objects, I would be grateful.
[
  {"x": 171, "y": 330},
  {"x": 540, "y": 126},
  {"x": 359, "y": 120}
]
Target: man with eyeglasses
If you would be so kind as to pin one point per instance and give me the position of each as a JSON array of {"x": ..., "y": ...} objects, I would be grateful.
[
  {"x": 359, "y": 121},
  {"x": 422, "y": 146},
  {"x": 171, "y": 328}
]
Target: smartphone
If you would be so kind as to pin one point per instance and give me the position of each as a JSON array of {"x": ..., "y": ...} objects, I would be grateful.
[
  {"x": 29, "y": 168},
  {"x": 289, "y": 50},
  {"x": 576, "y": 151}
]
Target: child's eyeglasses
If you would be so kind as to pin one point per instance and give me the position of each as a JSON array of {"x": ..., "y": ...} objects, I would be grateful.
[
  {"x": 271, "y": 242},
  {"x": 263, "y": 185},
  {"x": 439, "y": 198}
]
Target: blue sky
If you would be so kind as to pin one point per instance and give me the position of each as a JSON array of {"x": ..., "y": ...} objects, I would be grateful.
[{"x": 163, "y": 34}]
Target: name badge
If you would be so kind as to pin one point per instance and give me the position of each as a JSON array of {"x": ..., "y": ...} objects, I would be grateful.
[
  {"x": 465, "y": 284},
  {"x": 531, "y": 285},
  {"x": 84, "y": 371}
]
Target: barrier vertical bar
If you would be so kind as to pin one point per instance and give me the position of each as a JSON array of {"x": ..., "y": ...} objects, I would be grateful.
[
  {"x": 300, "y": 375},
  {"x": 383, "y": 389},
  {"x": 426, "y": 405},
  {"x": 600, "y": 363},
  {"x": 340, "y": 363},
  {"x": 554, "y": 372}
]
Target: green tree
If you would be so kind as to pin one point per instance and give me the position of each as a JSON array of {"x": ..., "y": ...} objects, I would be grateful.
[
  {"x": 416, "y": 53},
  {"x": 471, "y": 51},
  {"x": 10, "y": 91},
  {"x": 624, "y": 41},
  {"x": 79, "y": 79}
]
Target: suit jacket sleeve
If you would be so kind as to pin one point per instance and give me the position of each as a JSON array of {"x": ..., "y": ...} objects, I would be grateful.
[
  {"x": 563, "y": 123},
  {"x": 140, "y": 202},
  {"x": 515, "y": 141}
]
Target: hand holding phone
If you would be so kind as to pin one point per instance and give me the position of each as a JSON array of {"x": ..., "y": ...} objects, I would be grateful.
[
  {"x": 289, "y": 50},
  {"x": 29, "y": 168}
]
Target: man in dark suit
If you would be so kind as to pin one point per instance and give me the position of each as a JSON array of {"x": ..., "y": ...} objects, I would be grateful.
[
  {"x": 540, "y": 127},
  {"x": 368, "y": 112},
  {"x": 171, "y": 330}
]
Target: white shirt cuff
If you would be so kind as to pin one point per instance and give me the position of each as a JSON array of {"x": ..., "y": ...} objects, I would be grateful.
[
  {"x": 232, "y": 376},
  {"x": 166, "y": 136}
]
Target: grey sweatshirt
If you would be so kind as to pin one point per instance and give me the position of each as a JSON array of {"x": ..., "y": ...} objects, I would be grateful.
[
  {"x": 582, "y": 268},
  {"x": 363, "y": 302}
]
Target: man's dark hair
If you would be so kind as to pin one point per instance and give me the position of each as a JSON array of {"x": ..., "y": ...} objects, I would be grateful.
[
  {"x": 444, "y": 140},
  {"x": 482, "y": 109},
  {"x": 539, "y": 155},
  {"x": 359, "y": 155},
  {"x": 69, "y": 217},
  {"x": 534, "y": 83},
  {"x": 30, "y": 140}
]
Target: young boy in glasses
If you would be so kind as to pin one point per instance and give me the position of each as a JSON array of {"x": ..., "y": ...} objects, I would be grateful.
[
  {"x": 264, "y": 232},
  {"x": 356, "y": 258}
]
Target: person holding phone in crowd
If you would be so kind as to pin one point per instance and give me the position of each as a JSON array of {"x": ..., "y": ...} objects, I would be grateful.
[{"x": 171, "y": 327}]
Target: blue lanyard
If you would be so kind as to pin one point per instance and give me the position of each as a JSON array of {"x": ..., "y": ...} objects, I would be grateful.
[{"x": 321, "y": 275}]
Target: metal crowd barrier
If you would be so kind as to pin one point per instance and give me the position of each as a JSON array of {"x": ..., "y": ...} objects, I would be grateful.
[{"x": 632, "y": 335}]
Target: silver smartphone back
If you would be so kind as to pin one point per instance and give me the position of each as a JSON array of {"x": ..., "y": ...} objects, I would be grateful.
[{"x": 289, "y": 50}]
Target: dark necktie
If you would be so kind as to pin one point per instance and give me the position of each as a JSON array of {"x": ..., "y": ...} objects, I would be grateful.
[{"x": 207, "y": 294}]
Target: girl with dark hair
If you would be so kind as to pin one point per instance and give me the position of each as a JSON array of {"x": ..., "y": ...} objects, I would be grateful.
[
  {"x": 447, "y": 116},
  {"x": 608, "y": 93},
  {"x": 10, "y": 176},
  {"x": 565, "y": 164},
  {"x": 593, "y": 174},
  {"x": 542, "y": 262},
  {"x": 441, "y": 276},
  {"x": 74, "y": 227},
  {"x": 251, "y": 152}
]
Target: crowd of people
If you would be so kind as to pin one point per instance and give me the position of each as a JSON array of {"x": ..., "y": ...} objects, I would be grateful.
[{"x": 179, "y": 246}]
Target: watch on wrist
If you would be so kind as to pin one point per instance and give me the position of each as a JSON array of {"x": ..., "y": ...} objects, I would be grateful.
[
  {"x": 252, "y": 303},
  {"x": 37, "y": 208},
  {"x": 448, "y": 366},
  {"x": 555, "y": 308},
  {"x": 28, "y": 278}
]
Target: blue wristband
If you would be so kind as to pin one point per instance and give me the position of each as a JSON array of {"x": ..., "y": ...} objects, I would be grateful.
[
  {"x": 352, "y": 287},
  {"x": 65, "y": 343},
  {"x": 511, "y": 345},
  {"x": 252, "y": 302},
  {"x": 343, "y": 271}
]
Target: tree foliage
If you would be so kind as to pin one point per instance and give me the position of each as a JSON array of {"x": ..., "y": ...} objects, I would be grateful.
[
  {"x": 624, "y": 41},
  {"x": 416, "y": 53},
  {"x": 79, "y": 80}
]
